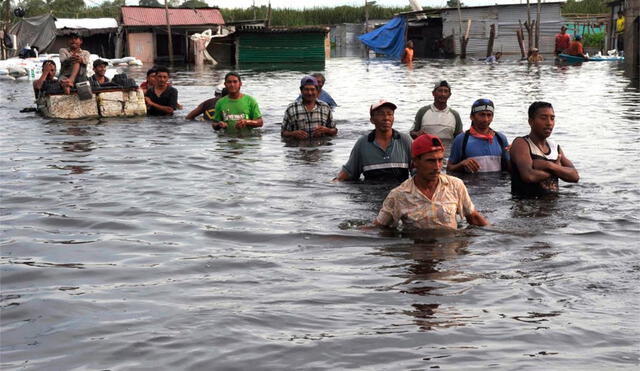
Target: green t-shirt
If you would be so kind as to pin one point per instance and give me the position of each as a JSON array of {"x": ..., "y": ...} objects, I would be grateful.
[{"x": 231, "y": 110}]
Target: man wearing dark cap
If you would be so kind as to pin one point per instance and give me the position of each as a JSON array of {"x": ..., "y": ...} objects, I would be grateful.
[
  {"x": 383, "y": 154},
  {"x": 208, "y": 108},
  {"x": 310, "y": 117},
  {"x": 99, "y": 69},
  {"x": 437, "y": 118},
  {"x": 480, "y": 149},
  {"x": 430, "y": 199},
  {"x": 576, "y": 49}
]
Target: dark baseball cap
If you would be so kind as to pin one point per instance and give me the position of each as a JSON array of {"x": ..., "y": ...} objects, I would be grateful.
[
  {"x": 98, "y": 62},
  {"x": 441, "y": 83},
  {"x": 482, "y": 104}
]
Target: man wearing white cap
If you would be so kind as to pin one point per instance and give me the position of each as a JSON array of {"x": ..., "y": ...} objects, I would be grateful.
[
  {"x": 207, "y": 108},
  {"x": 383, "y": 154},
  {"x": 310, "y": 117}
]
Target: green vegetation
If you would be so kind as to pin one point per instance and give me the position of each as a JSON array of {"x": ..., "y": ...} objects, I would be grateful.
[
  {"x": 279, "y": 17},
  {"x": 585, "y": 7},
  {"x": 312, "y": 16},
  {"x": 594, "y": 40}
]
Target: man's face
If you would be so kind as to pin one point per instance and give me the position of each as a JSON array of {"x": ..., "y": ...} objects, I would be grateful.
[
  {"x": 320, "y": 82},
  {"x": 428, "y": 165},
  {"x": 309, "y": 93},
  {"x": 52, "y": 70},
  {"x": 161, "y": 79},
  {"x": 481, "y": 120},
  {"x": 383, "y": 118},
  {"x": 441, "y": 95},
  {"x": 75, "y": 43},
  {"x": 233, "y": 84},
  {"x": 100, "y": 70},
  {"x": 543, "y": 122},
  {"x": 151, "y": 79},
  {"x": 563, "y": 30}
]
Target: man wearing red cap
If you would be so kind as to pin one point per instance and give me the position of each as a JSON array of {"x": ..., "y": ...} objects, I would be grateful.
[
  {"x": 383, "y": 154},
  {"x": 430, "y": 199}
]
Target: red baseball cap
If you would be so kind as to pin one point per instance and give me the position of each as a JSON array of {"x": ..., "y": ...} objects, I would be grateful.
[{"x": 426, "y": 143}]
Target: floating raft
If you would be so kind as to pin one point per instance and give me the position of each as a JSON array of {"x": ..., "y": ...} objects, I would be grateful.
[
  {"x": 106, "y": 103},
  {"x": 573, "y": 58}
]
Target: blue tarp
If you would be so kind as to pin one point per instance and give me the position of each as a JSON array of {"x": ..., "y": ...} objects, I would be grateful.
[{"x": 388, "y": 39}]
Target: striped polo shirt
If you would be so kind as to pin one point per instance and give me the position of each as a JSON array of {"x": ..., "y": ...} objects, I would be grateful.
[{"x": 377, "y": 164}]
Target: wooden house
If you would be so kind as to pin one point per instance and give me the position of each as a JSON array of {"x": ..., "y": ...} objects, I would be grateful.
[{"x": 146, "y": 35}]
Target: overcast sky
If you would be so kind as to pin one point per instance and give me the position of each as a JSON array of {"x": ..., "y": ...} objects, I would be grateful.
[{"x": 314, "y": 3}]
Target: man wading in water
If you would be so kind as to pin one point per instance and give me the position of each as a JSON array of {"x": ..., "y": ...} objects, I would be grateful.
[
  {"x": 537, "y": 161},
  {"x": 236, "y": 110},
  {"x": 383, "y": 154},
  {"x": 310, "y": 117},
  {"x": 430, "y": 199}
]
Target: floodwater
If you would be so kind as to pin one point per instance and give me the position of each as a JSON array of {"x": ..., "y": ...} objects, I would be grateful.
[{"x": 156, "y": 243}]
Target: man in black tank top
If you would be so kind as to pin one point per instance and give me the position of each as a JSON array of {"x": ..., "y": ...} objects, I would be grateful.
[{"x": 536, "y": 162}]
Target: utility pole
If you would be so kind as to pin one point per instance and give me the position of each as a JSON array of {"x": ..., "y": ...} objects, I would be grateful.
[{"x": 166, "y": 12}]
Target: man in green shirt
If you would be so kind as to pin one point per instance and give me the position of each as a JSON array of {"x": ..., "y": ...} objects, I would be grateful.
[{"x": 236, "y": 110}]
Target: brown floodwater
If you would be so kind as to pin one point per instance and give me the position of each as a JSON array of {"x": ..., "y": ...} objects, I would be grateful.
[{"x": 157, "y": 243}]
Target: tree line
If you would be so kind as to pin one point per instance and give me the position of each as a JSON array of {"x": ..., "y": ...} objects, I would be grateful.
[{"x": 279, "y": 17}]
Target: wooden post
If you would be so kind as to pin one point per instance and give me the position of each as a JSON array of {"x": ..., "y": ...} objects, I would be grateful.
[
  {"x": 529, "y": 26},
  {"x": 520, "y": 35},
  {"x": 268, "y": 25},
  {"x": 492, "y": 36},
  {"x": 464, "y": 40},
  {"x": 166, "y": 12},
  {"x": 538, "y": 25}
]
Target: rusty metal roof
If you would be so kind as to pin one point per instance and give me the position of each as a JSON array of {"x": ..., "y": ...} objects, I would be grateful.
[{"x": 142, "y": 16}]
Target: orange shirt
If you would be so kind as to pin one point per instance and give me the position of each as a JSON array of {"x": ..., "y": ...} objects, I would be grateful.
[
  {"x": 562, "y": 41},
  {"x": 408, "y": 55},
  {"x": 575, "y": 48}
]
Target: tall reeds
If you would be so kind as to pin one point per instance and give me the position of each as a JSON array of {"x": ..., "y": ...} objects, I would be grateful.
[{"x": 313, "y": 16}]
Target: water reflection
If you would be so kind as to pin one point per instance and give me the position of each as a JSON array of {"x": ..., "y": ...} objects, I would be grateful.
[
  {"x": 428, "y": 276},
  {"x": 233, "y": 144}
]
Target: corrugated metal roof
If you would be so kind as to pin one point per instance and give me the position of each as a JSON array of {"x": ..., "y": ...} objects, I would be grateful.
[{"x": 141, "y": 16}]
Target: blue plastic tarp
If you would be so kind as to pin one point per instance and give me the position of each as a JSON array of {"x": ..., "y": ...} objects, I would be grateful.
[{"x": 388, "y": 39}]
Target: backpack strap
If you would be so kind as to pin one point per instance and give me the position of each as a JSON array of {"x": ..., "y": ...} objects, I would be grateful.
[{"x": 465, "y": 140}]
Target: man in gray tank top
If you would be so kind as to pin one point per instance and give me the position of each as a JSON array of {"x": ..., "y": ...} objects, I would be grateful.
[{"x": 536, "y": 162}]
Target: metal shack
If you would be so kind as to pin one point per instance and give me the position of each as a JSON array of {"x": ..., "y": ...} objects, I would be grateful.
[
  {"x": 146, "y": 35},
  {"x": 506, "y": 18},
  {"x": 281, "y": 44},
  {"x": 99, "y": 35}
]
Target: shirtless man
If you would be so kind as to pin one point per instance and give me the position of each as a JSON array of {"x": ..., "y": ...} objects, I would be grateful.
[{"x": 537, "y": 162}]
